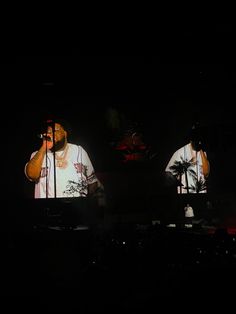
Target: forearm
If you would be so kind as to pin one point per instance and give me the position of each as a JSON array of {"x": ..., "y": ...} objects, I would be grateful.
[
  {"x": 92, "y": 188},
  {"x": 205, "y": 164},
  {"x": 33, "y": 167}
]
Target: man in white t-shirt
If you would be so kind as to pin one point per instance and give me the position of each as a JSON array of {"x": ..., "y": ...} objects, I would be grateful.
[
  {"x": 189, "y": 215},
  {"x": 60, "y": 169},
  {"x": 190, "y": 166}
]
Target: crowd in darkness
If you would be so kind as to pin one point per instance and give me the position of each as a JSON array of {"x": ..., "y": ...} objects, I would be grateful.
[{"x": 137, "y": 265}]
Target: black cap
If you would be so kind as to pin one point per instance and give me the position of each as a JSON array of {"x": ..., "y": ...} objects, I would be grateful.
[{"x": 63, "y": 122}]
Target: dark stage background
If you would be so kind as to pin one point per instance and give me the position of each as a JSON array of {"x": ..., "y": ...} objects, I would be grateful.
[{"x": 160, "y": 100}]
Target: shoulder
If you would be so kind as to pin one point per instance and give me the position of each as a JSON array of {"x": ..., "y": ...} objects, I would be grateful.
[
  {"x": 79, "y": 149},
  {"x": 73, "y": 147},
  {"x": 34, "y": 153},
  {"x": 181, "y": 150}
]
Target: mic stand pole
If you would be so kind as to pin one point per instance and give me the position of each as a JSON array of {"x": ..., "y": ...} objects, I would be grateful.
[
  {"x": 54, "y": 159},
  {"x": 46, "y": 169}
]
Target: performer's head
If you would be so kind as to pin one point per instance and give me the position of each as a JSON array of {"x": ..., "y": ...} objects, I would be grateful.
[
  {"x": 196, "y": 137},
  {"x": 58, "y": 131}
]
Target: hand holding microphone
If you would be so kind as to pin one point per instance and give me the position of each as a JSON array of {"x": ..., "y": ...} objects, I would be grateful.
[
  {"x": 45, "y": 137},
  {"x": 47, "y": 140}
]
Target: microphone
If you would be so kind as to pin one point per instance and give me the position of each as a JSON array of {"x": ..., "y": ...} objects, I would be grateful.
[{"x": 45, "y": 137}]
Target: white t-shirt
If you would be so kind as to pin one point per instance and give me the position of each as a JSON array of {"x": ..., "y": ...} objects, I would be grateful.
[
  {"x": 188, "y": 210},
  {"x": 71, "y": 180},
  {"x": 195, "y": 173}
]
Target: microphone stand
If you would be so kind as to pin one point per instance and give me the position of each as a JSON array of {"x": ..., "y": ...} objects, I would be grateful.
[
  {"x": 54, "y": 163},
  {"x": 54, "y": 159},
  {"x": 46, "y": 168}
]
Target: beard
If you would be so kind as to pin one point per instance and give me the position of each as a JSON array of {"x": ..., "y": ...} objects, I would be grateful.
[{"x": 59, "y": 145}]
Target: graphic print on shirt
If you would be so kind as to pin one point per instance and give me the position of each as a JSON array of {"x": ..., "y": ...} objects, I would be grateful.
[
  {"x": 73, "y": 188},
  {"x": 44, "y": 172},
  {"x": 192, "y": 172}
]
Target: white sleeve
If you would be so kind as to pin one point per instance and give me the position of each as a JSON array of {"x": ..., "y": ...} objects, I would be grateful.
[
  {"x": 90, "y": 173},
  {"x": 171, "y": 161}
]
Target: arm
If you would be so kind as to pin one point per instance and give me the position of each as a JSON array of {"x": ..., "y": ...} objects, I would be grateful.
[
  {"x": 33, "y": 167},
  {"x": 92, "y": 179},
  {"x": 92, "y": 188},
  {"x": 205, "y": 164},
  {"x": 197, "y": 146}
]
